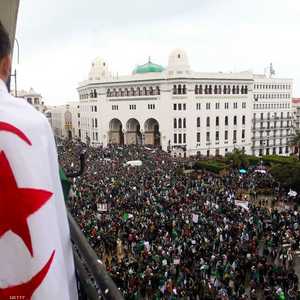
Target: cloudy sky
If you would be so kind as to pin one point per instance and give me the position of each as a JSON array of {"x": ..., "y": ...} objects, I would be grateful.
[{"x": 59, "y": 38}]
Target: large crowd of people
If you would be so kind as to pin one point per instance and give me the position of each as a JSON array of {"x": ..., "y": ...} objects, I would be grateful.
[{"x": 163, "y": 234}]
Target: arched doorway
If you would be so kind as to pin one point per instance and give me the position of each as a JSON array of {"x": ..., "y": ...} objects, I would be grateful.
[
  {"x": 152, "y": 134},
  {"x": 115, "y": 134},
  {"x": 133, "y": 132}
]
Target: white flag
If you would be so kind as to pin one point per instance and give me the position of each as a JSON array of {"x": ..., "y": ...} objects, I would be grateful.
[{"x": 36, "y": 255}]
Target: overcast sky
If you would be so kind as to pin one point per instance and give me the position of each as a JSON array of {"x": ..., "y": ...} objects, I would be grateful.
[{"x": 59, "y": 38}]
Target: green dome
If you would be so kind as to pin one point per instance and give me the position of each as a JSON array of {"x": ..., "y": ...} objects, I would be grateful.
[{"x": 149, "y": 67}]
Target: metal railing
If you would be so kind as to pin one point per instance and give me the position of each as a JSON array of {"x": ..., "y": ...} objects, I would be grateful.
[{"x": 93, "y": 280}]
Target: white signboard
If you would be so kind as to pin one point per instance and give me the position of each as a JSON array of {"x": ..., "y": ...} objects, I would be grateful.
[
  {"x": 243, "y": 204},
  {"x": 134, "y": 163},
  {"x": 102, "y": 207}
]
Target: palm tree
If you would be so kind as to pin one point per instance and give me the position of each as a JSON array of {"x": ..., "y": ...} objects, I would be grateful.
[
  {"x": 296, "y": 141},
  {"x": 237, "y": 158}
]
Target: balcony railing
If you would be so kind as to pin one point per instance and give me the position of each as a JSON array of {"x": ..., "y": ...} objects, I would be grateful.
[{"x": 277, "y": 119}]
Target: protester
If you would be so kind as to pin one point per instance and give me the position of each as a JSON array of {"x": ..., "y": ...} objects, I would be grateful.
[{"x": 166, "y": 235}]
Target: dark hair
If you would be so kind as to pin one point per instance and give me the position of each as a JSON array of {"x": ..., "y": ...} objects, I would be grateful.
[{"x": 5, "y": 47}]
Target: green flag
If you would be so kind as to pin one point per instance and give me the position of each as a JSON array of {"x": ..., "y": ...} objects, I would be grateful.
[
  {"x": 66, "y": 184},
  {"x": 125, "y": 216}
]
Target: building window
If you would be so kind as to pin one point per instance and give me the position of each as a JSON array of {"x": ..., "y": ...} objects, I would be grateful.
[
  {"x": 175, "y": 123},
  {"x": 174, "y": 106},
  {"x": 198, "y": 122},
  {"x": 217, "y": 135},
  {"x": 157, "y": 90},
  {"x": 198, "y": 106},
  {"x": 234, "y": 136},
  {"x": 243, "y": 133},
  {"x": 151, "y": 106},
  {"x": 198, "y": 137},
  {"x": 179, "y": 90},
  {"x": 215, "y": 89},
  {"x": 179, "y": 138},
  {"x": 132, "y": 107},
  {"x": 184, "y": 123},
  {"x": 217, "y": 105},
  {"x": 96, "y": 122},
  {"x": 174, "y": 90},
  {"x": 207, "y": 136},
  {"x": 207, "y": 105},
  {"x": 235, "y": 105},
  {"x": 184, "y": 138},
  {"x": 226, "y": 120},
  {"x": 234, "y": 120},
  {"x": 207, "y": 122},
  {"x": 226, "y": 135},
  {"x": 179, "y": 123},
  {"x": 217, "y": 121},
  {"x": 206, "y": 90},
  {"x": 226, "y": 105},
  {"x": 244, "y": 120},
  {"x": 184, "y": 106},
  {"x": 179, "y": 106},
  {"x": 175, "y": 138},
  {"x": 115, "y": 107}
]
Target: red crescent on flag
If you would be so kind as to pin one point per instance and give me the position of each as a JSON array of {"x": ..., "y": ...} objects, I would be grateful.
[
  {"x": 14, "y": 130},
  {"x": 25, "y": 290}
]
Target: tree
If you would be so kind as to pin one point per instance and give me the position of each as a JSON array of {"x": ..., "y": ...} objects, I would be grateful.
[
  {"x": 295, "y": 142},
  {"x": 288, "y": 175},
  {"x": 237, "y": 158}
]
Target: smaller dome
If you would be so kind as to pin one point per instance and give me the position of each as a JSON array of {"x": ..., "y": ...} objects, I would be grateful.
[
  {"x": 99, "y": 62},
  {"x": 178, "y": 61},
  {"x": 149, "y": 67},
  {"x": 99, "y": 70}
]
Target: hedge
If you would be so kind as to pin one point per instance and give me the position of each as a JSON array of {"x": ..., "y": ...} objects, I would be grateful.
[
  {"x": 210, "y": 165},
  {"x": 283, "y": 160},
  {"x": 253, "y": 160}
]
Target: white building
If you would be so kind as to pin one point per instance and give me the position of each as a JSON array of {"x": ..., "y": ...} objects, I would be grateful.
[
  {"x": 65, "y": 120},
  {"x": 33, "y": 98},
  {"x": 184, "y": 111},
  {"x": 272, "y": 115},
  {"x": 296, "y": 113}
]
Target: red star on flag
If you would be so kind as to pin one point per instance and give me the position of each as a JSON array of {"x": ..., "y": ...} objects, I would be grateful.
[{"x": 17, "y": 204}]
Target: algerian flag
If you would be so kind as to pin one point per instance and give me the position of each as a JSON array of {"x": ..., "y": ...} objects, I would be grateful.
[{"x": 36, "y": 258}]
